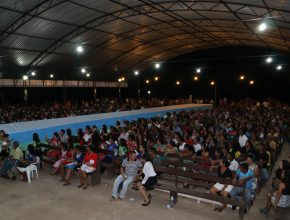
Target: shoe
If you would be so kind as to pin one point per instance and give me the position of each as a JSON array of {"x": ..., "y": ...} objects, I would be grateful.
[
  {"x": 62, "y": 180},
  {"x": 149, "y": 197},
  {"x": 66, "y": 183},
  {"x": 262, "y": 211},
  {"x": 146, "y": 204},
  {"x": 80, "y": 186},
  {"x": 234, "y": 207},
  {"x": 13, "y": 178}
]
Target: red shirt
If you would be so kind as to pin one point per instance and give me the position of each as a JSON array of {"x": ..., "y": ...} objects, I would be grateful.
[{"x": 91, "y": 156}]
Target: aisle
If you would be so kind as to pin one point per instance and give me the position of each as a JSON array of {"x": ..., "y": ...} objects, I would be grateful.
[{"x": 261, "y": 198}]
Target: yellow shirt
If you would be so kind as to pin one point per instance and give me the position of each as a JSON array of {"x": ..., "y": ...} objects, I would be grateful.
[{"x": 17, "y": 154}]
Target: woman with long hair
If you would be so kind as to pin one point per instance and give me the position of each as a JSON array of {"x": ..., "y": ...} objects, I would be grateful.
[{"x": 149, "y": 179}]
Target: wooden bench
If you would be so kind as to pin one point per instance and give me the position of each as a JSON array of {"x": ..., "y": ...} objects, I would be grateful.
[
  {"x": 197, "y": 180},
  {"x": 95, "y": 177},
  {"x": 110, "y": 167}
]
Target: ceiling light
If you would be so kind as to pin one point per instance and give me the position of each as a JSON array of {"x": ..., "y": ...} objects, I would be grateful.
[
  {"x": 119, "y": 80},
  {"x": 198, "y": 70},
  {"x": 136, "y": 73},
  {"x": 88, "y": 75},
  {"x": 25, "y": 77},
  {"x": 83, "y": 70},
  {"x": 147, "y": 81},
  {"x": 242, "y": 77},
  {"x": 269, "y": 60},
  {"x": 80, "y": 49},
  {"x": 262, "y": 26},
  {"x": 123, "y": 78},
  {"x": 195, "y": 78},
  {"x": 51, "y": 76},
  {"x": 33, "y": 73},
  {"x": 279, "y": 67},
  {"x": 157, "y": 65},
  {"x": 212, "y": 83},
  {"x": 252, "y": 82},
  {"x": 156, "y": 78},
  {"x": 149, "y": 92},
  {"x": 178, "y": 83}
]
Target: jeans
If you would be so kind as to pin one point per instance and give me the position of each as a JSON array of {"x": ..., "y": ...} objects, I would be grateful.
[
  {"x": 117, "y": 183},
  {"x": 7, "y": 164},
  {"x": 236, "y": 191},
  {"x": 264, "y": 177}
]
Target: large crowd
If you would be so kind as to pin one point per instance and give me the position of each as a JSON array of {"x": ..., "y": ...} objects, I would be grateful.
[
  {"x": 28, "y": 112},
  {"x": 238, "y": 138}
]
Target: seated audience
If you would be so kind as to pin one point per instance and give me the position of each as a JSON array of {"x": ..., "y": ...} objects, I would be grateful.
[
  {"x": 129, "y": 170},
  {"x": 89, "y": 165}
]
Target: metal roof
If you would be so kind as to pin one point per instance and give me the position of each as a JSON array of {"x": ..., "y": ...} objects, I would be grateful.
[{"x": 127, "y": 34}]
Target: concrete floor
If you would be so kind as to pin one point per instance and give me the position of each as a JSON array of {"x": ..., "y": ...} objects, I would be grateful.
[{"x": 47, "y": 199}]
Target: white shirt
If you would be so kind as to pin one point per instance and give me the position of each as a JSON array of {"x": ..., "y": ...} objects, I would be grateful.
[
  {"x": 181, "y": 146},
  {"x": 234, "y": 165},
  {"x": 148, "y": 171},
  {"x": 87, "y": 137},
  {"x": 197, "y": 147},
  {"x": 123, "y": 135},
  {"x": 242, "y": 140}
]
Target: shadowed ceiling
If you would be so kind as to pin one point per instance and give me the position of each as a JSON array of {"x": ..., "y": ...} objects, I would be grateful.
[{"x": 123, "y": 35}]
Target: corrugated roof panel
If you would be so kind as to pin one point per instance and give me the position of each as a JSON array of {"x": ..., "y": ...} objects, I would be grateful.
[
  {"x": 71, "y": 13},
  {"x": 7, "y": 18},
  {"x": 44, "y": 28},
  {"x": 24, "y": 42},
  {"x": 20, "y": 5}
]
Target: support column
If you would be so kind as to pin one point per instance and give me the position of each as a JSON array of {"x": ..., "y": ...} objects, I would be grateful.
[
  {"x": 25, "y": 97},
  {"x": 95, "y": 93}
]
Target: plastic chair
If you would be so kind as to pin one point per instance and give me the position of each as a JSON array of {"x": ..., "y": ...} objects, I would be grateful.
[
  {"x": 27, "y": 170},
  {"x": 33, "y": 167}
]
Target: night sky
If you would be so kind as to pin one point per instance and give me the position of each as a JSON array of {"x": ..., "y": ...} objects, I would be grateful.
[{"x": 223, "y": 65}]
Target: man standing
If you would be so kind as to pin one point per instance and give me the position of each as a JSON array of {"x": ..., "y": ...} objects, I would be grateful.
[{"x": 129, "y": 171}]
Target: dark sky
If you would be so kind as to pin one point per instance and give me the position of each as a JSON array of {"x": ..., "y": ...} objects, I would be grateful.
[{"x": 223, "y": 65}]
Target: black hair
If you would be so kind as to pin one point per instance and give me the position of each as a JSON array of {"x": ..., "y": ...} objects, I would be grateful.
[
  {"x": 68, "y": 132},
  {"x": 226, "y": 163},
  {"x": 278, "y": 174},
  {"x": 147, "y": 157},
  {"x": 35, "y": 137},
  {"x": 244, "y": 166}
]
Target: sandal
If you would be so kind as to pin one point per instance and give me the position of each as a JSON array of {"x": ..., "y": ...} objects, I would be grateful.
[
  {"x": 86, "y": 186},
  {"x": 146, "y": 204}
]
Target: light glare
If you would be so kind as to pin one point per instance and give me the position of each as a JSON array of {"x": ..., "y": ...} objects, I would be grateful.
[
  {"x": 25, "y": 77},
  {"x": 262, "y": 26},
  {"x": 80, "y": 49},
  {"x": 269, "y": 60}
]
